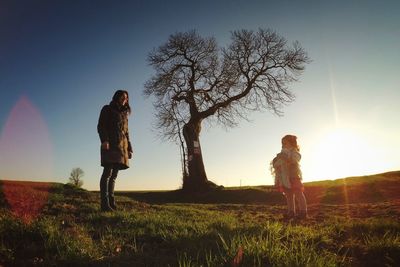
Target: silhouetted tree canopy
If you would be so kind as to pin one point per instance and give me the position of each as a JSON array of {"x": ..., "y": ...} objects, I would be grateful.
[{"x": 195, "y": 79}]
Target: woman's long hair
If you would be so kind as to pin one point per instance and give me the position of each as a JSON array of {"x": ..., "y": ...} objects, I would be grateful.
[{"x": 117, "y": 95}]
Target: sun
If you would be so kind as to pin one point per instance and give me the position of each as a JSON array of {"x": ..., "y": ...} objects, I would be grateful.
[{"x": 342, "y": 152}]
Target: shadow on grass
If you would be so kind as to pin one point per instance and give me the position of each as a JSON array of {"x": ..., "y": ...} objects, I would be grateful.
[
  {"x": 219, "y": 246},
  {"x": 218, "y": 196},
  {"x": 140, "y": 251}
]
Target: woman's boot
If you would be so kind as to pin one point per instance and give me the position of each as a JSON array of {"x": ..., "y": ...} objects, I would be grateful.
[
  {"x": 105, "y": 205},
  {"x": 112, "y": 203}
]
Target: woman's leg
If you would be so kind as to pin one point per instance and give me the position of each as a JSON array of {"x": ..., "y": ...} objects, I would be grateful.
[
  {"x": 104, "y": 181},
  {"x": 111, "y": 185}
]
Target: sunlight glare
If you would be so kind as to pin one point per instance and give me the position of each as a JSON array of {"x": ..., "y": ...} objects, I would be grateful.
[{"x": 342, "y": 152}]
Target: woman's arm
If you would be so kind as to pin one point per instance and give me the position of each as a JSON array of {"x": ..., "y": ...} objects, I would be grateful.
[
  {"x": 130, "y": 148},
  {"x": 102, "y": 128}
]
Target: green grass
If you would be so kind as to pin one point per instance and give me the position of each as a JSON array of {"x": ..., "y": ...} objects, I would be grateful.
[{"x": 71, "y": 231}]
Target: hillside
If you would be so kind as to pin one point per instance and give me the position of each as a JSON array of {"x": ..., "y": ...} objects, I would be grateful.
[
  {"x": 51, "y": 224},
  {"x": 362, "y": 189}
]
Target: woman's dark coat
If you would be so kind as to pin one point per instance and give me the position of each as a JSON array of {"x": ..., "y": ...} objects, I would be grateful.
[{"x": 113, "y": 127}]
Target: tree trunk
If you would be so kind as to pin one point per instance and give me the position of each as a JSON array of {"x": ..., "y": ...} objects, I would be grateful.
[{"x": 197, "y": 177}]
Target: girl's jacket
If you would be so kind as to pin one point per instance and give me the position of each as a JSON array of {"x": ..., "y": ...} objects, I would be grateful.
[{"x": 286, "y": 168}]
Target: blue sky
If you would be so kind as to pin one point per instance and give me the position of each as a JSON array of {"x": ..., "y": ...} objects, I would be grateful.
[{"x": 61, "y": 61}]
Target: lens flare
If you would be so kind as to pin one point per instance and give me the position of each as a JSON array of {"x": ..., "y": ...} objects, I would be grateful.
[{"x": 25, "y": 146}]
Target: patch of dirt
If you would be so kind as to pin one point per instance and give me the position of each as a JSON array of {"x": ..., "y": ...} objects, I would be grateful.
[{"x": 317, "y": 213}]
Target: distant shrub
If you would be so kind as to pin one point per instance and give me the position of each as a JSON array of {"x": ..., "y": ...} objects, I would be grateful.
[{"x": 75, "y": 177}]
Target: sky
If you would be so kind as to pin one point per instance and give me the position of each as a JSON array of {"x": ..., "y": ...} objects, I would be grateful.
[{"x": 61, "y": 61}]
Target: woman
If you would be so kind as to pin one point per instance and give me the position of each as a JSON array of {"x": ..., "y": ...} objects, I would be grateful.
[
  {"x": 116, "y": 149},
  {"x": 286, "y": 168}
]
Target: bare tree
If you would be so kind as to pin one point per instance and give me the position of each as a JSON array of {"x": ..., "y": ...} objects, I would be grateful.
[
  {"x": 75, "y": 177},
  {"x": 194, "y": 79}
]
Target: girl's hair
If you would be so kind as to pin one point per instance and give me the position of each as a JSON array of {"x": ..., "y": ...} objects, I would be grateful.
[
  {"x": 117, "y": 95},
  {"x": 292, "y": 141},
  {"x": 272, "y": 168}
]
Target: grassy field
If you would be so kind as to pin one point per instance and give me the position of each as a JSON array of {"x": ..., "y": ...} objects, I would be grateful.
[{"x": 352, "y": 222}]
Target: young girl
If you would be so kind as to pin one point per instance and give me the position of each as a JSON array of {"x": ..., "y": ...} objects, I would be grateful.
[{"x": 286, "y": 169}]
